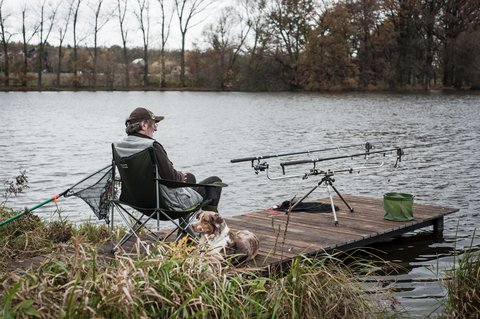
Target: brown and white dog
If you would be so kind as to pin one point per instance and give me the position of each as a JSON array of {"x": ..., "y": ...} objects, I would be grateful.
[{"x": 218, "y": 239}]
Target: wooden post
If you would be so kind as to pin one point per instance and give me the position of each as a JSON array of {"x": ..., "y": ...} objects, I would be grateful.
[{"x": 438, "y": 226}]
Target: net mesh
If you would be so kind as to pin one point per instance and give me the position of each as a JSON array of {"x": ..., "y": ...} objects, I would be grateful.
[{"x": 97, "y": 190}]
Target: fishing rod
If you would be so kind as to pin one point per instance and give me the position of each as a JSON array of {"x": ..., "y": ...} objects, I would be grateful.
[
  {"x": 315, "y": 171},
  {"x": 367, "y": 146},
  {"x": 260, "y": 167},
  {"x": 29, "y": 210},
  {"x": 398, "y": 150}
]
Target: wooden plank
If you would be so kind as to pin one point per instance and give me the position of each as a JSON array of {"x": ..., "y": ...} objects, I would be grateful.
[
  {"x": 321, "y": 239},
  {"x": 296, "y": 231},
  {"x": 310, "y": 223}
]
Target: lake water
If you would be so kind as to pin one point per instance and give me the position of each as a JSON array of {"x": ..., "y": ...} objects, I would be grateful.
[{"x": 61, "y": 137}]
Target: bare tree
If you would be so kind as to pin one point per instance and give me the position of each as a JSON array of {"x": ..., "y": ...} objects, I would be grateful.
[
  {"x": 46, "y": 23},
  {"x": 5, "y": 37},
  {"x": 76, "y": 8},
  {"x": 365, "y": 18},
  {"x": 165, "y": 23},
  {"x": 62, "y": 32},
  {"x": 290, "y": 23},
  {"x": 26, "y": 40},
  {"x": 143, "y": 17},
  {"x": 100, "y": 21},
  {"x": 122, "y": 12},
  {"x": 253, "y": 14},
  {"x": 227, "y": 37},
  {"x": 187, "y": 10}
]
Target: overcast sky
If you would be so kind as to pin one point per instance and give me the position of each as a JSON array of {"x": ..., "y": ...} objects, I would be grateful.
[{"x": 110, "y": 34}]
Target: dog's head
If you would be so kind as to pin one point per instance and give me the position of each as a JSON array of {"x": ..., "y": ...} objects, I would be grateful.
[{"x": 209, "y": 223}]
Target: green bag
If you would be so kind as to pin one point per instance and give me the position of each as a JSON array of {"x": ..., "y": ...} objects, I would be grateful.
[{"x": 398, "y": 206}]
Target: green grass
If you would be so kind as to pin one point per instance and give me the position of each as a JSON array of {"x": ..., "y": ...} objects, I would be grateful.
[
  {"x": 29, "y": 236},
  {"x": 26, "y": 236},
  {"x": 463, "y": 286},
  {"x": 177, "y": 282}
]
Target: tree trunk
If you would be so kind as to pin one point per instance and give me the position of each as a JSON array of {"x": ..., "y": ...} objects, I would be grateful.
[
  {"x": 182, "y": 62},
  {"x": 145, "y": 67},
  {"x": 448, "y": 63},
  {"x": 6, "y": 65},
  {"x": 59, "y": 69},
  {"x": 4, "y": 39},
  {"x": 163, "y": 82},
  {"x": 127, "y": 69},
  {"x": 95, "y": 57},
  {"x": 25, "y": 51},
  {"x": 40, "y": 65}
]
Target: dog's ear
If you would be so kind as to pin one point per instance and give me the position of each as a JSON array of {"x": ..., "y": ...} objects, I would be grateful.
[{"x": 217, "y": 220}]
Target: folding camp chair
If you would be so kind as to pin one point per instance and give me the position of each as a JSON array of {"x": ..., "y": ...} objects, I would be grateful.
[{"x": 142, "y": 189}]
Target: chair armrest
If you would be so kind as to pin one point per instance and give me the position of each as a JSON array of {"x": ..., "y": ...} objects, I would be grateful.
[{"x": 176, "y": 184}]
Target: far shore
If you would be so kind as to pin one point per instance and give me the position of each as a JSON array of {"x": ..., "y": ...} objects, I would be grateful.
[{"x": 435, "y": 90}]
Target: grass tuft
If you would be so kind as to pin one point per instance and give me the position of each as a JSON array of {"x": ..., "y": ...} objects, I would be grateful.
[{"x": 463, "y": 286}]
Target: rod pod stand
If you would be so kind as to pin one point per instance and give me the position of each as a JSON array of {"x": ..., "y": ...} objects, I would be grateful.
[{"x": 328, "y": 181}]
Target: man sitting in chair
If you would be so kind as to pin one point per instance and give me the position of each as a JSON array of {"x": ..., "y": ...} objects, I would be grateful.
[{"x": 140, "y": 126}]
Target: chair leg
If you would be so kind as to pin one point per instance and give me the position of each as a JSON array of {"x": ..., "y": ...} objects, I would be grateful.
[
  {"x": 184, "y": 228},
  {"x": 131, "y": 232},
  {"x": 132, "y": 229}
]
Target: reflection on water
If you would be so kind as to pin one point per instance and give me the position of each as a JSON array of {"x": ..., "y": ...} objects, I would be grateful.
[{"x": 59, "y": 138}]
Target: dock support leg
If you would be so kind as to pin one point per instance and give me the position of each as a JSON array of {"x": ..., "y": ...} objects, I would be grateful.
[{"x": 438, "y": 226}]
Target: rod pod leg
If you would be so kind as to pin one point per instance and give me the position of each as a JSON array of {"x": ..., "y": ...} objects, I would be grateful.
[
  {"x": 341, "y": 197},
  {"x": 305, "y": 196},
  {"x": 329, "y": 189}
]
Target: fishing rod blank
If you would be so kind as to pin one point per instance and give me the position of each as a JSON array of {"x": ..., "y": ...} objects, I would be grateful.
[
  {"x": 28, "y": 210},
  {"x": 315, "y": 160},
  {"x": 368, "y": 147}
]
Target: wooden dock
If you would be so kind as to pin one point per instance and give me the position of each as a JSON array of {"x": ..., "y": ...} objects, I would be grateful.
[
  {"x": 316, "y": 233},
  {"x": 311, "y": 233}
]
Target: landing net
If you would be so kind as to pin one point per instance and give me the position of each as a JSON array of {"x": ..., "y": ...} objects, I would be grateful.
[{"x": 97, "y": 190}]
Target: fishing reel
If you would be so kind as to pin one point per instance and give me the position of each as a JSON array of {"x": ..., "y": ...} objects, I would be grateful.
[
  {"x": 400, "y": 152},
  {"x": 259, "y": 167},
  {"x": 368, "y": 147}
]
